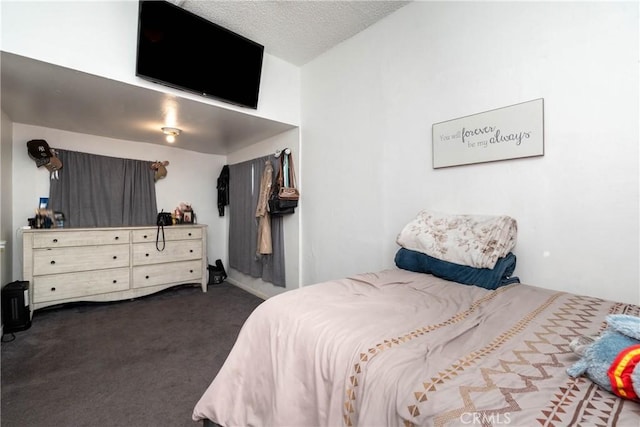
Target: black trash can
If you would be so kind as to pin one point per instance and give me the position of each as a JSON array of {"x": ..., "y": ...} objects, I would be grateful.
[{"x": 16, "y": 315}]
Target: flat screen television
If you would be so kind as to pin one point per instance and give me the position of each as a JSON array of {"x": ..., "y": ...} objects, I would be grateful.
[{"x": 182, "y": 50}]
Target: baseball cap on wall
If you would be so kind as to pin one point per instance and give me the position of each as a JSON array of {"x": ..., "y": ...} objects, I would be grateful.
[{"x": 39, "y": 151}]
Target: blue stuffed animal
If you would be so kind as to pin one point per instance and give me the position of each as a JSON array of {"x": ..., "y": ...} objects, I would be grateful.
[{"x": 612, "y": 360}]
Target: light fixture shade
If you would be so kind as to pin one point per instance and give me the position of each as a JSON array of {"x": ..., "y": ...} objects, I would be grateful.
[{"x": 171, "y": 133}]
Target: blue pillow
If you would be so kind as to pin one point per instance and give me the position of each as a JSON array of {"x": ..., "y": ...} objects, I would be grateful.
[{"x": 488, "y": 278}]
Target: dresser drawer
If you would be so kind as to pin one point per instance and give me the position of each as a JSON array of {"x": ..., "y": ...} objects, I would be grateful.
[
  {"x": 177, "y": 232},
  {"x": 55, "y": 239},
  {"x": 177, "y": 250},
  {"x": 151, "y": 275},
  {"x": 65, "y": 260},
  {"x": 77, "y": 285}
]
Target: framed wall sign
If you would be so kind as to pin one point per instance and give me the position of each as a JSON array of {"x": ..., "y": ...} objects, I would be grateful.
[{"x": 505, "y": 133}]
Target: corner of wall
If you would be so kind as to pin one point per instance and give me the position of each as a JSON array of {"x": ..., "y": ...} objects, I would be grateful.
[{"x": 6, "y": 185}]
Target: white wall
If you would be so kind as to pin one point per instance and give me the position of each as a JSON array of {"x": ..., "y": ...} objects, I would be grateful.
[
  {"x": 191, "y": 177},
  {"x": 6, "y": 191},
  {"x": 99, "y": 37},
  {"x": 369, "y": 104}
]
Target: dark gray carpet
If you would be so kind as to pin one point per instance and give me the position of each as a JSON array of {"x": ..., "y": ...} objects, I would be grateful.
[{"x": 142, "y": 362}]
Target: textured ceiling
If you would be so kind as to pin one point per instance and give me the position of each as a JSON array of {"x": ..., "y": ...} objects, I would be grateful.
[
  {"x": 41, "y": 94},
  {"x": 296, "y": 31}
]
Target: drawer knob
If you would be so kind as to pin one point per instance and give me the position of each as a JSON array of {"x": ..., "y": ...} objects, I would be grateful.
[
  {"x": 53, "y": 289},
  {"x": 190, "y": 271},
  {"x": 191, "y": 250},
  {"x": 146, "y": 254},
  {"x": 115, "y": 281},
  {"x": 55, "y": 240},
  {"x": 146, "y": 277},
  {"x": 117, "y": 237},
  {"x": 52, "y": 262},
  {"x": 144, "y": 237},
  {"x": 115, "y": 257},
  {"x": 189, "y": 234}
]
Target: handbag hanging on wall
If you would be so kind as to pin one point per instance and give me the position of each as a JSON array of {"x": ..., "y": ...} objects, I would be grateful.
[
  {"x": 279, "y": 207},
  {"x": 283, "y": 199},
  {"x": 288, "y": 191}
]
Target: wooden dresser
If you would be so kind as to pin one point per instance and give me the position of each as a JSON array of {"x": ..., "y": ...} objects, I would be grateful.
[{"x": 109, "y": 264}]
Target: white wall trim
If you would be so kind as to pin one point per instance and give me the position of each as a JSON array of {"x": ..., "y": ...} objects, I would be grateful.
[{"x": 244, "y": 287}]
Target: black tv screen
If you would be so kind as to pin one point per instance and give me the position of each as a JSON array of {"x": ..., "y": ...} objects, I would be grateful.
[{"x": 180, "y": 49}]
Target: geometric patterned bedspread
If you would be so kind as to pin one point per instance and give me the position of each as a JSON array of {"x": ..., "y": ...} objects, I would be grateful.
[
  {"x": 396, "y": 348},
  {"x": 566, "y": 402}
]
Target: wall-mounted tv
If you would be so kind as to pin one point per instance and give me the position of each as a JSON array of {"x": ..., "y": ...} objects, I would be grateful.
[{"x": 180, "y": 49}]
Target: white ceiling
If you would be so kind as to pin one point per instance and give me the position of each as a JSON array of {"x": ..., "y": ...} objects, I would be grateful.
[
  {"x": 42, "y": 94},
  {"x": 296, "y": 31}
]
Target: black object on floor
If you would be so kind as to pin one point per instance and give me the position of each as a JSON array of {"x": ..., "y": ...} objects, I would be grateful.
[
  {"x": 16, "y": 315},
  {"x": 217, "y": 273}
]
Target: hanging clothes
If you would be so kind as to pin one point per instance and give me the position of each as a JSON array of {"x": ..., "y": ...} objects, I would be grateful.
[
  {"x": 223, "y": 189},
  {"x": 285, "y": 168},
  {"x": 262, "y": 211}
]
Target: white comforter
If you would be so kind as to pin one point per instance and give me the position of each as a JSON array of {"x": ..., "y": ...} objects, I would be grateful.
[
  {"x": 296, "y": 356},
  {"x": 397, "y": 348}
]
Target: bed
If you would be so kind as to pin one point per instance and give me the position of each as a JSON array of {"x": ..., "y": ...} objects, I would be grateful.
[
  {"x": 400, "y": 348},
  {"x": 449, "y": 337}
]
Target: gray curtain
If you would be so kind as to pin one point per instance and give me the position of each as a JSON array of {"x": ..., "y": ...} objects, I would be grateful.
[
  {"x": 100, "y": 191},
  {"x": 244, "y": 191}
]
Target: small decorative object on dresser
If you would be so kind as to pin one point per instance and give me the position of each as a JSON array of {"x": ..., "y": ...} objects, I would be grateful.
[{"x": 110, "y": 264}]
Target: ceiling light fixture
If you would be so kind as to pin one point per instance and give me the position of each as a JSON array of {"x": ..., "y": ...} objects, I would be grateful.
[{"x": 171, "y": 133}]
